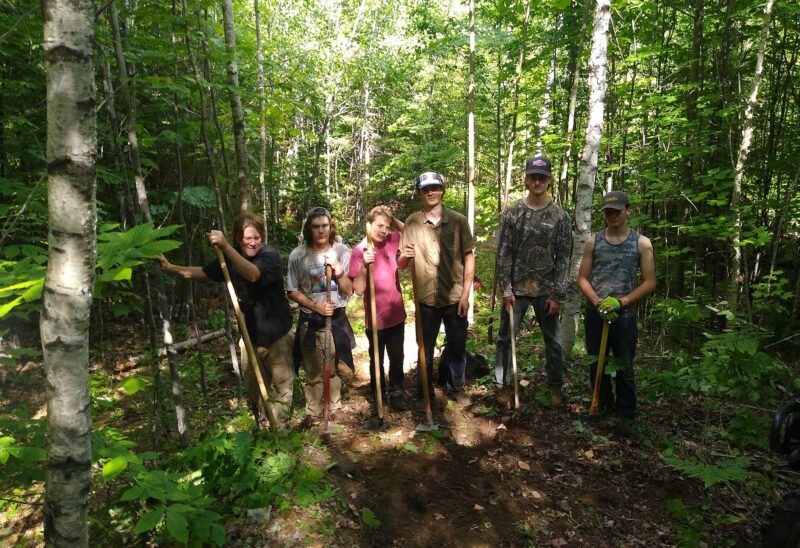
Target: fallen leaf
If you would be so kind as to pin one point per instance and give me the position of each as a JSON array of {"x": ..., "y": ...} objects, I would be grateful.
[
  {"x": 536, "y": 494},
  {"x": 523, "y": 383},
  {"x": 479, "y": 508},
  {"x": 558, "y": 542},
  {"x": 353, "y": 495},
  {"x": 589, "y": 454},
  {"x": 438, "y": 516},
  {"x": 524, "y": 465},
  {"x": 501, "y": 427}
]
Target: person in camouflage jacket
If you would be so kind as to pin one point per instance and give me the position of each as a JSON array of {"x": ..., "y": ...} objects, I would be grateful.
[{"x": 533, "y": 267}]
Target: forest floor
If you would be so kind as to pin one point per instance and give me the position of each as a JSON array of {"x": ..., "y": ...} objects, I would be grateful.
[{"x": 490, "y": 476}]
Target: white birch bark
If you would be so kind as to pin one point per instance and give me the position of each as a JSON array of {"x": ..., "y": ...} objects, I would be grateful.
[
  {"x": 67, "y": 294},
  {"x": 471, "y": 139},
  {"x": 588, "y": 167},
  {"x": 744, "y": 150}
]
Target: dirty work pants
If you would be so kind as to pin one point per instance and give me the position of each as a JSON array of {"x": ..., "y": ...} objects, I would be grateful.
[
  {"x": 554, "y": 360},
  {"x": 622, "y": 336},
  {"x": 455, "y": 331},
  {"x": 313, "y": 363},
  {"x": 391, "y": 339},
  {"x": 277, "y": 370}
]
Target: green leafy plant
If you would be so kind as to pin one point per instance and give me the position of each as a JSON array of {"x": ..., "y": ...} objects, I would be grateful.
[
  {"x": 690, "y": 524},
  {"x": 369, "y": 518},
  {"x": 710, "y": 474}
]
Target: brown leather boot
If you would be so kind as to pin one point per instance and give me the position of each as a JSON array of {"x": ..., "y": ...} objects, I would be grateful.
[{"x": 556, "y": 398}]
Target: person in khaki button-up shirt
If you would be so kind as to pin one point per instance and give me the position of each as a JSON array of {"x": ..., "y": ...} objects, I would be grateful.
[{"x": 441, "y": 245}]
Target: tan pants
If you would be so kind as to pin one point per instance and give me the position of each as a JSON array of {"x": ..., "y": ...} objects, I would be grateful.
[
  {"x": 277, "y": 370},
  {"x": 313, "y": 363}
]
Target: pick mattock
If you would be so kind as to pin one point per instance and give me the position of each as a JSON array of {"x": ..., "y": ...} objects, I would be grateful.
[
  {"x": 598, "y": 377},
  {"x": 428, "y": 426},
  {"x": 253, "y": 355},
  {"x": 513, "y": 333},
  {"x": 326, "y": 358},
  {"x": 376, "y": 353}
]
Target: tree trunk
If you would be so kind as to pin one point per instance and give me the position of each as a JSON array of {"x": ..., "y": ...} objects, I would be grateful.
[
  {"x": 471, "y": 138},
  {"x": 144, "y": 206},
  {"x": 513, "y": 134},
  {"x": 588, "y": 168},
  {"x": 67, "y": 294},
  {"x": 744, "y": 150},
  {"x": 262, "y": 124},
  {"x": 236, "y": 108},
  {"x": 544, "y": 114}
]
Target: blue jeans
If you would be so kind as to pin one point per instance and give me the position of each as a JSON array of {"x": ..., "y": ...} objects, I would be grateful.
[
  {"x": 554, "y": 362},
  {"x": 455, "y": 330},
  {"x": 390, "y": 339},
  {"x": 622, "y": 336}
]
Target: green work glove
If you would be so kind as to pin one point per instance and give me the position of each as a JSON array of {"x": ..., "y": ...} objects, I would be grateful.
[{"x": 609, "y": 308}]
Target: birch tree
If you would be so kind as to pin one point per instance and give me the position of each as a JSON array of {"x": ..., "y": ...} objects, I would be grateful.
[
  {"x": 67, "y": 294},
  {"x": 744, "y": 150},
  {"x": 588, "y": 166},
  {"x": 471, "y": 137}
]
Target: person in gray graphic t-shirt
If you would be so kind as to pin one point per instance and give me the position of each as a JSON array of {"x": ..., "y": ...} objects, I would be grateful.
[{"x": 607, "y": 277}]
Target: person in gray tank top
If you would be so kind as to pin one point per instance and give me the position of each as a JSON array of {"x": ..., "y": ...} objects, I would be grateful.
[{"x": 608, "y": 278}]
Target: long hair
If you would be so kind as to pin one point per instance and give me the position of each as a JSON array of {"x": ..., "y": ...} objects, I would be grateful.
[
  {"x": 308, "y": 236},
  {"x": 244, "y": 220}
]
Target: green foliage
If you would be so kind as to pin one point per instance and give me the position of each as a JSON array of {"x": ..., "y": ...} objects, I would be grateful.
[
  {"x": 691, "y": 525},
  {"x": 119, "y": 252},
  {"x": 22, "y": 448},
  {"x": 22, "y": 267},
  {"x": 369, "y": 518},
  {"x": 732, "y": 470},
  {"x": 748, "y": 429}
]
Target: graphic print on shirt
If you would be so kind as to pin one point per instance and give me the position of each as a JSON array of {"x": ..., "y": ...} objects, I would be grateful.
[{"x": 316, "y": 273}]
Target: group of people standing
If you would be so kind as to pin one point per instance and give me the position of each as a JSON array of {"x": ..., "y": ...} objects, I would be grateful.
[{"x": 436, "y": 242}]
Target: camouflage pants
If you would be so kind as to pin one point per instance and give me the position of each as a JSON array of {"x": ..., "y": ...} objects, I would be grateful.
[{"x": 554, "y": 361}]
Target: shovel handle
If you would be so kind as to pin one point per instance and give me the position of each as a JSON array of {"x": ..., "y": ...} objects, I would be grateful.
[
  {"x": 376, "y": 353},
  {"x": 326, "y": 367},
  {"x": 594, "y": 409},
  {"x": 252, "y": 354},
  {"x": 421, "y": 346},
  {"x": 513, "y": 333}
]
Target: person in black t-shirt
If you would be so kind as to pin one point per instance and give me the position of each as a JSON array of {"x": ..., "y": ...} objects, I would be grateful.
[{"x": 257, "y": 274}]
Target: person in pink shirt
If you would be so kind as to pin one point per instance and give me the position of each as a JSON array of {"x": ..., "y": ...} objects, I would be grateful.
[{"x": 391, "y": 314}]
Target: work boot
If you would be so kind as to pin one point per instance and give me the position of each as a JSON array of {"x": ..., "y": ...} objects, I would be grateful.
[
  {"x": 556, "y": 398},
  {"x": 397, "y": 401}
]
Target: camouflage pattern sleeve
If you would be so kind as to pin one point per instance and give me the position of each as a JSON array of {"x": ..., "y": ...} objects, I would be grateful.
[
  {"x": 505, "y": 250},
  {"x": 563, "y": 253}
]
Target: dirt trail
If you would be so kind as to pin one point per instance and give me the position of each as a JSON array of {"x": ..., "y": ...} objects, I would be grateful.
[{"x": 493, "y": 477}]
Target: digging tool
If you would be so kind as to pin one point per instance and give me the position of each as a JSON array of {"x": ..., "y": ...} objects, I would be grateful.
[
  {"x": 376, "y": 353},
  {"x": 326, "y": 368},
  {"x": 598, "y": 377},
  {"x": 428, "y": 426},
  {"x": 252, "y": 354},
  {"x": 514, "y": 357}
]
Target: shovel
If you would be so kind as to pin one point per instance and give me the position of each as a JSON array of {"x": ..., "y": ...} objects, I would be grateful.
[
  {"x": 428, "y": 426},
  {"x": 326, "y": 368},
  {"x": 514, "y": 357},
  {"x": 376, "y": 353},
  {"x": 594, "y": 409},
  {"x": 253, "y": 355}
]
